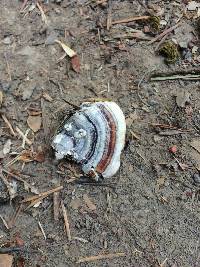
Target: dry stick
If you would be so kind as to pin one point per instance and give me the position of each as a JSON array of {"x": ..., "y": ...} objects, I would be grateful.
[
  {"x": 24, "y": 136},
  {"x": 101, "y": 257},
  {"x": 44, "y": 18},
  {"x": 164, "y": 33},
  {"x": 130, "y": 19},
  {"x": 43, "y": 194},
  {"x": 66, "y": 221},
  {"x": 42, "y": 230},
  {"x": 176, "y": 77},
  {"x": 4, "y": 222},
  {"x": 56, "y": 204},
  {"x": 34, "y": 202},
  {"x": 8, "y": 124},
  {"x": 161, "y": 41}
]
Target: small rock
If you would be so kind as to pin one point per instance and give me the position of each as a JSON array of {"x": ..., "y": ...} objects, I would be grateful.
[
  {"x": 5, "y": 86},
  {"x": 7, "y": 40},
  {"x": 196, "y": 178},
  {"x": 192, "y": 6}
]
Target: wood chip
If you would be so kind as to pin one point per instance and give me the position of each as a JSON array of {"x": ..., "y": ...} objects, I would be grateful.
[
  {"x": 34, "y": 123},
  {"x": 89, "y": 203},
  {"x": 67, "y": 49},
  {"x": 67, "y": 228},
  {"x": 101, "y": 257},
  {"x": 6, "y": 260}
]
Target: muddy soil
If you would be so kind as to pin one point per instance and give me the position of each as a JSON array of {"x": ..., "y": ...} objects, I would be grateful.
[{"x": 150, "y": 210}]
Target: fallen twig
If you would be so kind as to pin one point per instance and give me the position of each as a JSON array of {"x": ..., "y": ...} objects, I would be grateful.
[
  {"x": 4, "y": 222},
  {"x": 176, "y": 77},
  {"x": 44, "y": 18},
  {"x": 66, "y": 221},
  {"x": 24, "y": 137},
  {"x": 42, "y": 230},
  {"x": 8, "y": 124},
  {"x": 130, "y": 19},
  {"x": 44, "y": 194},
  {"x": 101, "y": 257},
  {"x": 160, "y": 36}
]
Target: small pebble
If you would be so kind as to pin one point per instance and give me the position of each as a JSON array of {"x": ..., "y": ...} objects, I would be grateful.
[
  {"x": 7, "y": 40},
  {"x": 196, "y": 178}
]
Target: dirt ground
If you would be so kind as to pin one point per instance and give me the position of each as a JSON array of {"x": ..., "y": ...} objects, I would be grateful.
[{"x": 150, "y": 210}]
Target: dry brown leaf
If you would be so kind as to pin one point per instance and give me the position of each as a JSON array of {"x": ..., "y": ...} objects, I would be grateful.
[
  {"x": 34, "y": 122},
  {"x": 67, "y": 49},
  {"x": 89, "y": 203},
  {"x": 26, "y": 156},
  {"x": 1, "y": 98},
  {"x": 6, "y": 260},
  {"x": 39, "y": 156},
  {"x": 75, "y": 63}
]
